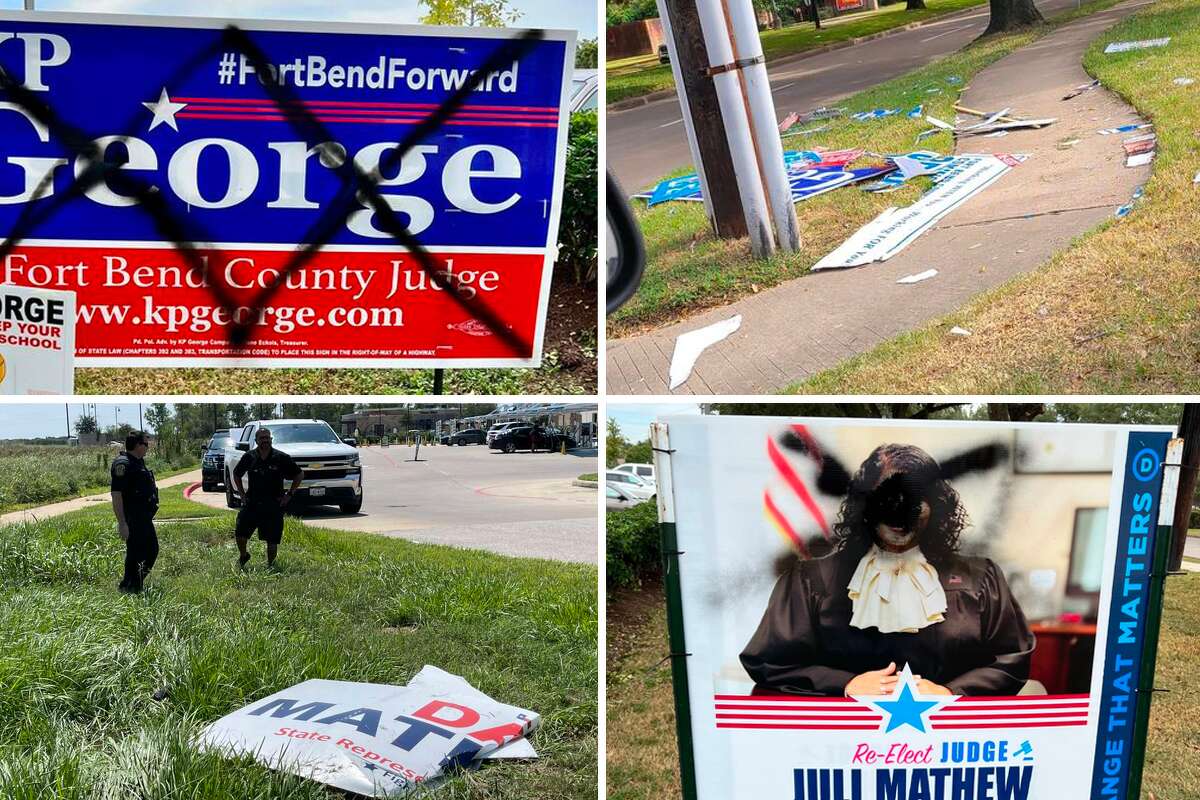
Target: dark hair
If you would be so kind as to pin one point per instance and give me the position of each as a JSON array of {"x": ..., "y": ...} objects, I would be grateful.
[
  {"x": 854, "y": 533},
  {"x": 133, "y": 439}
]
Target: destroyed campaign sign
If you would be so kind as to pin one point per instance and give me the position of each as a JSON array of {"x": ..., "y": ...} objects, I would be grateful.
[
  {"x": 179, "y": 107},
  {"x": 806, "y": 175},
  {"x": 818, "y": 665},
  {"x": 374, "y": 739},
  {"x": 37, "y": 341}
]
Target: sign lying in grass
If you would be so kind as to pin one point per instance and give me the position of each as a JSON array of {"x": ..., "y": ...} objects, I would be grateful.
[
  {"x": 1121, "y": 47},
  {"x": 37, "y": 341},
  {"x": 340, "y": 195},
  {"x": 374, "y": 739},
  {"x": 896, "y": 228}
]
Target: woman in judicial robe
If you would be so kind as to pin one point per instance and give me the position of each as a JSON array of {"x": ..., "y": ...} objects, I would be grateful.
[{"x": 894, "y": 590}]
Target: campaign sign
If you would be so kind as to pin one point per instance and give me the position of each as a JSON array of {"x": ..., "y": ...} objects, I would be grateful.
[
  {"x": 909, "y": 611},
  {"x": 374, "y": 739},
  {"x": 37, "y": 341},
  {"x": 178, "y": 106}
]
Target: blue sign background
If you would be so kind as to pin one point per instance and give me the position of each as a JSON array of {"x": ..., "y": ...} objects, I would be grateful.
[{"x": 114, "y": 68}]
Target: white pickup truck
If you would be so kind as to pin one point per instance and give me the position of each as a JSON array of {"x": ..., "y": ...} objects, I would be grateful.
[{"x": 332, "y": 468}]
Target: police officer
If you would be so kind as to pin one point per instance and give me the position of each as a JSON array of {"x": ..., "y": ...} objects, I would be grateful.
[
  {"x": 263, "y": 504},
  {"x": 135, "y": 502}
]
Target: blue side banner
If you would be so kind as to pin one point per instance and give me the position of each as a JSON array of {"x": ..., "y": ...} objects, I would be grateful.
[{"x": 1127, "y": 613}]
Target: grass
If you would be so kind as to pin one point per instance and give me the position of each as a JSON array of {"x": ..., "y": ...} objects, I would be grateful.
[
  {"x": 35, "y": 474},
  {"x": 79, "y": 663},
  {"x": 642, "y": 757},
  {"x": 688, "y": 269},
  {"x": 639, "y": 75},
  {"x": 1126, "y": 291},
  {"x": 587, "y": 476}
]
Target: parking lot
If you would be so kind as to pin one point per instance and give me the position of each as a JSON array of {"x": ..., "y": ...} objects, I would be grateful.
[{"x": 520, "y": 504}]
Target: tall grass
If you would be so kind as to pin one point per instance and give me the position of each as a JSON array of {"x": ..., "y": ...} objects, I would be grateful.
[
  {"x": 44, "y": 473},
  {"x": 79, "y": 664}
]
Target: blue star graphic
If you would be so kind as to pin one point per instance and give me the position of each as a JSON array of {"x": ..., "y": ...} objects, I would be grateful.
[{"x": 905, "y": 709}]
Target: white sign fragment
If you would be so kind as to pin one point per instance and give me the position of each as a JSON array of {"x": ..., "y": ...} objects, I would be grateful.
[
  {"x": 920, "y": 276},
  {"x": 374, "y": 739},
  {"x": 1139, "y": 159},
  {"x": 690, "y": 345},
  {"x": 957, "y": 331},
  {"x": 1121, "y": 47}
]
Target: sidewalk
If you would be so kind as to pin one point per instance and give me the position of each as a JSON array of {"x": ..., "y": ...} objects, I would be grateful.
[
  {"x": 75, "y": 504},
  {"x": 812, "y": 323}
]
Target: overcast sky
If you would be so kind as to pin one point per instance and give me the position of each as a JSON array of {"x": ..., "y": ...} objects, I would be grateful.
[
  {"x": 580, "y": 15},
  {"x": 635, "y": 419},
  {"x": 29, "y": 421}
]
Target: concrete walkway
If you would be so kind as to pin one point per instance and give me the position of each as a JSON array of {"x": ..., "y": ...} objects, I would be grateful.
[
  {"x": 812, "y": 323},
  {"x": 67, "y": 506}
]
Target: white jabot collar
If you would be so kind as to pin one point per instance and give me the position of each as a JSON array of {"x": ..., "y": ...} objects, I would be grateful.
[{"x": 896, "y": 592}]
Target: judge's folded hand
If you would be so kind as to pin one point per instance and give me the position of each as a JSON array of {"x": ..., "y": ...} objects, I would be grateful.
[{"x": 877, "y": 681}]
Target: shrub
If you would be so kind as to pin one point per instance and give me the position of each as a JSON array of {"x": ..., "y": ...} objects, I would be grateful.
[
  {"x": 632, "y": 11},
  {"x": 633, "y": 548},
  {"x": 577, "y": 230}
]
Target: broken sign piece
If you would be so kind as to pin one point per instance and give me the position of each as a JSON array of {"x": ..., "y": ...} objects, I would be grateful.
[
  {"x": 1121, "y": 47},
  {"x": 1125, "y": 128},
  {"x": 1078, "y": 90},
  {"x": 1183, "y": 81},
  {"x": 1140, "y": 159},
  {"x": 690, "y": 345},
  {"x": 788, "y": 121},
  {"x": 957, "y": 331},
  {"x": 875, "y": 114},
  {"x": 920, "y": 276}
]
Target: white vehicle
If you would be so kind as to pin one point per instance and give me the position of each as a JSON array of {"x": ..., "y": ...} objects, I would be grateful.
[
  {"x": 629, "y": 483},
  {"x": 332, "y": 468},
  {"x": 616, "y": 497},
  {"x": 643, "y": 471}
]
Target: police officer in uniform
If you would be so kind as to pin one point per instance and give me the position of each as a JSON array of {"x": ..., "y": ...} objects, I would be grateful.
[
  {"x": 263, "y": 504},
  {"x": 135, "y": 502}
]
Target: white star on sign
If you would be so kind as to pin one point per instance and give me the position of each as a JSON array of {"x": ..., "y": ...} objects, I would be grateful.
[{"x": 164, "y": 111}]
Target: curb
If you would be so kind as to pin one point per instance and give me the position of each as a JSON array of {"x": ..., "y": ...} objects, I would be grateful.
[
  {"x": 662, "y": 94},
  {"x": 585, "y": 484},
  {"x": 187, "y": 493}
]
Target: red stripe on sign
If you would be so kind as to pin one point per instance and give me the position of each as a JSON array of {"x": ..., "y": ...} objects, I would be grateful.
[
  {"x": 1001, "y": 717},
  {"x": 855, "y": 709},
  {"x": 786, "y": 698},
  {"x": 196, "y": 108},
  {"x": 796, "y": 727},
  {"x": 1065, "y": 724},
  {"x": 783, "y": 525},
  {"x": 377, "y": 121},
  {"x": 1011, "y": 707},
  {"x": 825, "y": 717},
  {"x": 350, "y": 104},
  {"x": 1023, "y": 699},
  {"x": 793, "y": 480}
]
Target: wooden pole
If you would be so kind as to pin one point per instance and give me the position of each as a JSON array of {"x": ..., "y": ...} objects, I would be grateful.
[{"x": 729, "y": 221}]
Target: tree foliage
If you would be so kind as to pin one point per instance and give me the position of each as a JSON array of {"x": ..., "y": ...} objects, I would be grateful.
[
  {"x": 86, "y": 425},
  {"x": 484, "y": 13},
  {"x": 587, "y": 54},
  {"x": 577, "y": 234}
]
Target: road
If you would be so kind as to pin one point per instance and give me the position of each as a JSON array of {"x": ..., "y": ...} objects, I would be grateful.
[
  {"x": 521, "y": 504},
  {"x": 1191, "y": 549},
  {"x": 647, "y": 142}
]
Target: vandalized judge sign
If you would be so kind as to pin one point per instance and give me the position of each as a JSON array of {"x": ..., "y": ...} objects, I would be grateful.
[
  {"x": 250, "y": 152},
  {"x": 909, "y": 611}
]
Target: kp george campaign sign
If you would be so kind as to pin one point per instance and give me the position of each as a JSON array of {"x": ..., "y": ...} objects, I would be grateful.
[
  {"x": 37, "y": 341},
  {"x": 374, "y": 739},
  {"x": 865, "y": 610},
  {"x": 168, "y": 171}
]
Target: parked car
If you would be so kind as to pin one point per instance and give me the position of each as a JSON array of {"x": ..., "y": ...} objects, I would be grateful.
[
  {"x": 585, "y": 90},
  {"x": 643, "y": 471},
  {"x": 629, "y": 483},
  {"x": 470, "y": 436},
  {"x": 212, "y": 459},
  {"x": 664, "y": 54},
  {"x": 532, "y": 438},
  {"x": 332, "y": 468},
  {"x": 499, "y": 428},
  {"x": 617, "y": 498}
]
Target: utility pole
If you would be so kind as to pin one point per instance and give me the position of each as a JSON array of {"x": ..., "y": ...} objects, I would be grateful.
[
  {"x": 702, "y": 119},
  {"x": 29, "y": 5},
  {"x": 1189, "y": 431},
  {"x": 67, "y": 406}
]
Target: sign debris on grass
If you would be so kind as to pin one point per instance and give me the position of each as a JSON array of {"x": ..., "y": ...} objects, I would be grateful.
[
  {"x": 1134, "y": 126},
  {"x": 1084, "y": 87},
  {"x": 690, "y": 345},
  {"x": 375, "y": 739},
  {"x": 1121, "y": 47}
]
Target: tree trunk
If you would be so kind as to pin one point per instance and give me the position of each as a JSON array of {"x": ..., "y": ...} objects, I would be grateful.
[
  {"x": 1012, "y": 15},
  {"x": 1189, "y": 431},
  {"x": 1014, "y": 412},
  {"x": 915, "y": 5}
]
